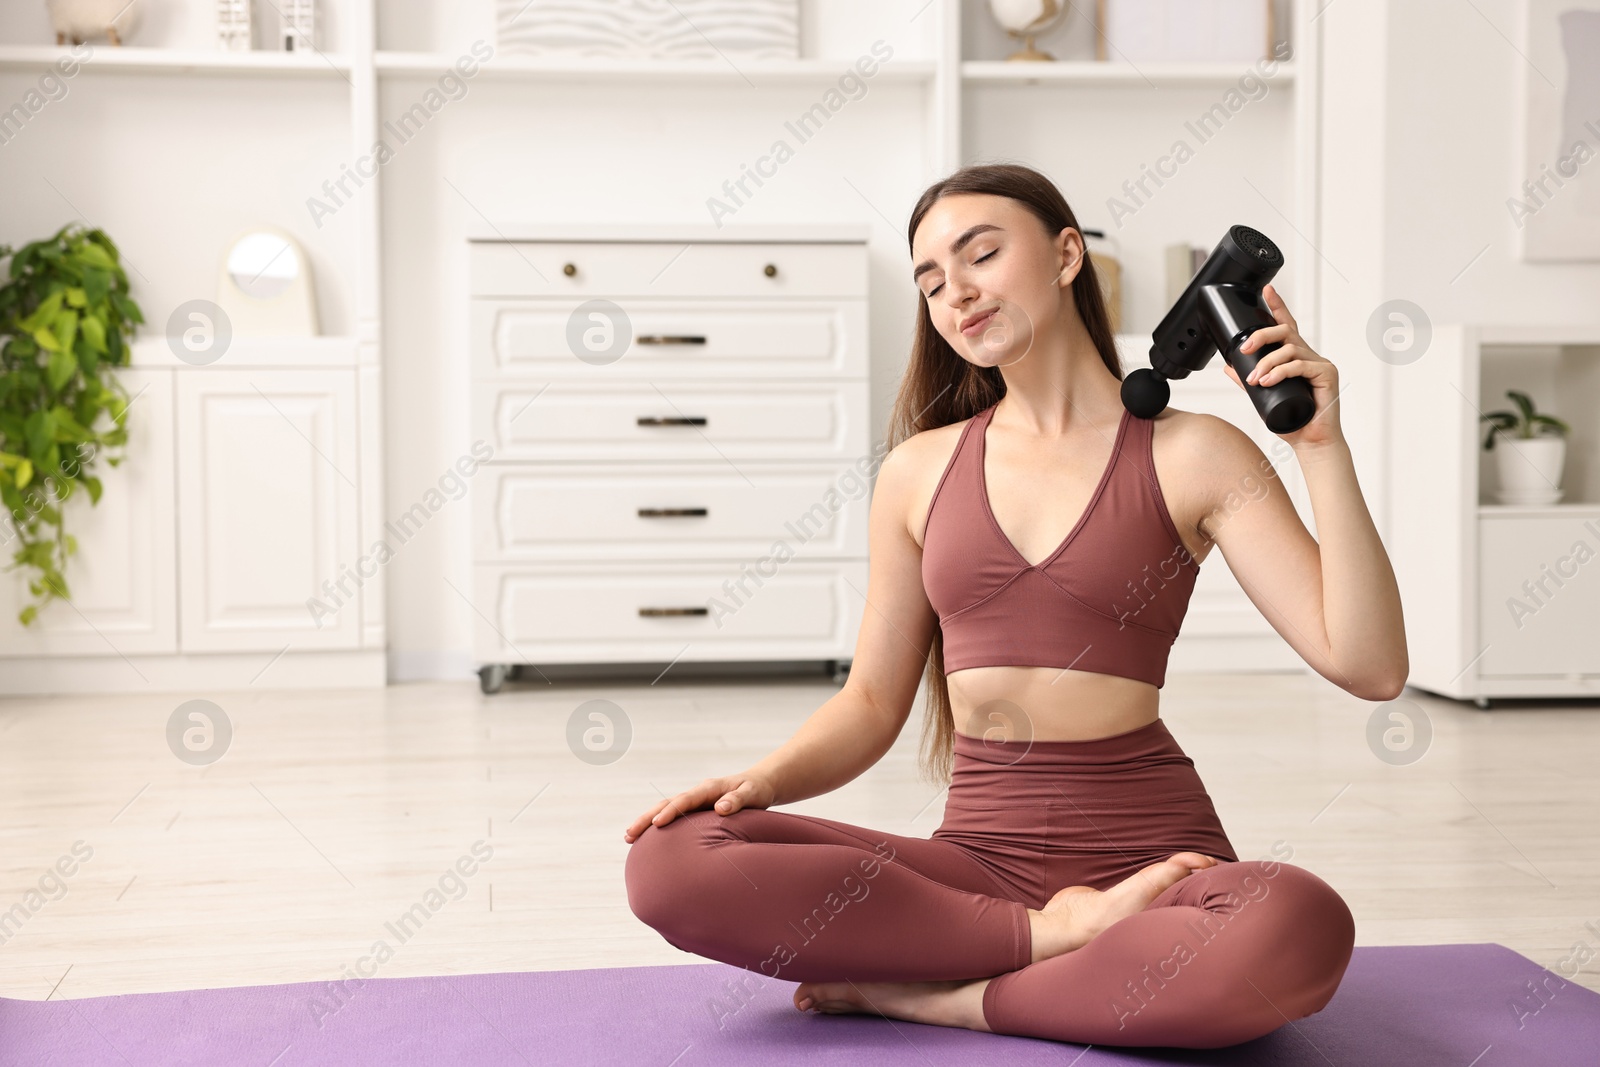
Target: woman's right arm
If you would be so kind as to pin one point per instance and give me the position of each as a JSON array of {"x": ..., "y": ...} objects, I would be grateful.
[{"x": 852, "y": 729}]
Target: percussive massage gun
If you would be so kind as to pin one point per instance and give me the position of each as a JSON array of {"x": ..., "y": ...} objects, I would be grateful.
[{"x": 1219, "y": 311}]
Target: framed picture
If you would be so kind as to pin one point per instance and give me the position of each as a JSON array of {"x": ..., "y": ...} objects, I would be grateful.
[{"x": 1555, "y": 197}]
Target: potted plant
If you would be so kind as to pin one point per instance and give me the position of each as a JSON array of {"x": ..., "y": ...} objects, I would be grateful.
[
  {"x": 65, "y": 321},
  {"x": 1536, "y": 449}
]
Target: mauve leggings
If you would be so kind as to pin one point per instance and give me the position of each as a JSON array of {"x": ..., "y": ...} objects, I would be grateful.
[{"x": 1227, "y": 954}]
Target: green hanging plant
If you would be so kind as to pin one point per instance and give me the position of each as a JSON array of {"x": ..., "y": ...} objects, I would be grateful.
[
  {"x": 1525, "y": 421},
  {"x": 65, "y": 320}
]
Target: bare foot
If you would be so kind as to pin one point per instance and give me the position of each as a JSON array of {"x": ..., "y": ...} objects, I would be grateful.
[
  {"x": 1078, "y": 914},
  {"x": 957, "y": 1003}
]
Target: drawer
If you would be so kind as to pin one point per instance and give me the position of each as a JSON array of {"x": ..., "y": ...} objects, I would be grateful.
[
  {"x": 626, "y": 612},
  {"x": 662, "y": 338},
  {"x": 712, "y": 422},
  {"x": 682, "y": 511},
  {"x": 667, "y": 269},
  {"x": 1531, "y": 624}
]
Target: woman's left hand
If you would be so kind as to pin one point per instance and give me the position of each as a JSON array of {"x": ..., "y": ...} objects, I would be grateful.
[{"x": 1295, "y": 357}]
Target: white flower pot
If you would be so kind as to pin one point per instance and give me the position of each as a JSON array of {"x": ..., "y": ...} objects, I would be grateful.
[{"x": 1529, "y": 468}]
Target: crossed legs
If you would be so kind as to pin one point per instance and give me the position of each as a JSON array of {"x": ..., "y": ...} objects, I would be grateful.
[{"x": 918, "y": 929}]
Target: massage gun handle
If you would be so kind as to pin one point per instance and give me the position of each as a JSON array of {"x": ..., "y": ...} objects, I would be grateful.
[{"x": 1234, "y": 313}]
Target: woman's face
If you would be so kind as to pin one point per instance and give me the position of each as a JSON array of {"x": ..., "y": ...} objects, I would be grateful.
[{"x": 991, "y": 276}]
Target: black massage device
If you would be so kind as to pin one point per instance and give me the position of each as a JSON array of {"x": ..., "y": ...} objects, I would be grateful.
[{"x": 1219, "y": 311}]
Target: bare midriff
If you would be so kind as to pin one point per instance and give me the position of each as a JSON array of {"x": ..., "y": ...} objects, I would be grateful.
[{"x": 1048, "y": 703}]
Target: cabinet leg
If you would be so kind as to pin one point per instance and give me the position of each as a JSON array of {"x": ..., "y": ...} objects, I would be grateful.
[
  {"x": 840, "y": 669},
  {"x": 491, "y": 677},
  {"x": 1482, "y": 702}
]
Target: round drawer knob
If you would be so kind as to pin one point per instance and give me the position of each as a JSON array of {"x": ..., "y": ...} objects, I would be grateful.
[
  {"x": 570, "y": 269},
  {"x": 770, "y": 270}
]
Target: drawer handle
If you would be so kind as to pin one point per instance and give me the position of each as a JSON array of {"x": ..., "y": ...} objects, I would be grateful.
[
  {"x": 569, "y": 269},
  {"x": 672, "y": 420},
  {"x": 654, "y": 612},
  {"x": 671, "y": 339},
  {"x": 671, "y": 513},
  {"x": 770, "y": 270}
]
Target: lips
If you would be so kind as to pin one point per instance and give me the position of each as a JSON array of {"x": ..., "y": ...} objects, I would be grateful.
[{"x": 976, "y": 323}]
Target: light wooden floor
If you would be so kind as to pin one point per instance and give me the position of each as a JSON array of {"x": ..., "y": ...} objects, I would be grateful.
[{"x": 334, "y": 812}]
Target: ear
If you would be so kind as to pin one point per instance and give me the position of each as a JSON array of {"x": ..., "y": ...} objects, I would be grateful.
[{"x": 1069, "y": 255}]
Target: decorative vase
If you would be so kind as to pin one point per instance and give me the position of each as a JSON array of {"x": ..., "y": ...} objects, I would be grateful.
[
  {"x": 79, "y": 20},
  {"x": 1530, "y": 469}
]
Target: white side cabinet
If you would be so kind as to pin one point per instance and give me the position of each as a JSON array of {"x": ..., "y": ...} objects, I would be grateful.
[
  {"x": 1499, "y": 600},
  {"x": 124, "y": 572},
  {"x": 681, "y": 445},
  {"x": 237, "y": 512}
]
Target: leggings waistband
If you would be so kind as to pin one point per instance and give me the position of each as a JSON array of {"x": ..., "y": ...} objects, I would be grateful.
[{"x": 1151, "y": 741}]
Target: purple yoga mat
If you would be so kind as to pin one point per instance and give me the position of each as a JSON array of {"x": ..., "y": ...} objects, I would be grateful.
[{"x": 1450, "y": 1005}]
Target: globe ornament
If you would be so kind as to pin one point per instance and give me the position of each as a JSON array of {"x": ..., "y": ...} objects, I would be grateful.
[{"x": 1025, "y": 20}]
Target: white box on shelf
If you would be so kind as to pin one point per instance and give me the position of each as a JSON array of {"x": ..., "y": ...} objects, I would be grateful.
[{"x": 1205, "y": 31}]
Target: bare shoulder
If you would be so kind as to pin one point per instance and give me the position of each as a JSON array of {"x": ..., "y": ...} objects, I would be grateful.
[
  {"x": 1200, "y": 459},
  {"x": 1201, "y": 437},
  {"x": 912, "y": 469}
]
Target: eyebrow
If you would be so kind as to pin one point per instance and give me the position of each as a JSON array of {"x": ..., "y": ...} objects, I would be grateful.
[{"x": 956, "y": 246}]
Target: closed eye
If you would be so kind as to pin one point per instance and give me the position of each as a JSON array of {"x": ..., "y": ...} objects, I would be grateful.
[{"x": 935, "y": 290}]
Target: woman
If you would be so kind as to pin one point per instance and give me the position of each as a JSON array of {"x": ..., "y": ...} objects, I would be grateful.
[{"x": 1081, "y": 886}]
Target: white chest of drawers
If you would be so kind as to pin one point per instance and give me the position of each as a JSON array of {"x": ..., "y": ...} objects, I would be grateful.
[{"x": 680, "y": 432}]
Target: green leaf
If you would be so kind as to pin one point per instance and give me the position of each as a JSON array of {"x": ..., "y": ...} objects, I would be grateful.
[
  {"x": 46, "y": 339},
  {"x": 94, "y": 332},
  {"x": 1556, "y": 426},
  {"x": 45, "y": 313},
  {"x": 94, "y": 489},
  {"x": 76, "y": 297},
  {"x": 66, "y": 327},
  {"x": 23, "y": 473},
  {"x": 96, "y": 284},
  {"x": 1523, "y": 401},
  {"x": 27, "y": 615},
  {"x": 96, "y": 256},
  {"x": 63, "y": 365}
]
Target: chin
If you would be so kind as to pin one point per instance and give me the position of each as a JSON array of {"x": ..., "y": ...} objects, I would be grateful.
[{"x": 982, "y": 356}]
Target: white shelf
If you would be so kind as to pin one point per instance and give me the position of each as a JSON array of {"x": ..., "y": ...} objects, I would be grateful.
[
  {"x": 770, "y": 71},
  {"x": 1540, "y": 510},
  {"x": 1539, "y": 333},
  {"x": 1000, "y": 72},
  {"x": 128, "y": 59}
]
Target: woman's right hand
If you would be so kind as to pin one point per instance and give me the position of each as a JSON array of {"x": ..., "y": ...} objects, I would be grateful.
[{"x": 724, "y": 795}]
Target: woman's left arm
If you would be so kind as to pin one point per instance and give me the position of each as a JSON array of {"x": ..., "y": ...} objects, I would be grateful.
[{"x": 1362, "y": 628}]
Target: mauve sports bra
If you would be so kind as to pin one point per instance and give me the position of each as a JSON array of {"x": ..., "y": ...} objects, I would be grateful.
[{"x": 1111, "y": 597}]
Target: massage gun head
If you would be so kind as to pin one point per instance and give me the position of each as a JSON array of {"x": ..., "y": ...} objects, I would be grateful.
[{"x": 1187, "y": 337}]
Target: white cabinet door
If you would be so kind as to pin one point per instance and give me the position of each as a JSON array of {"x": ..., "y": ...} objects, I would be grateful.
[
  {"x": 1539, "y": 594},
  {"x": 267, "y": 505},
  {"x": 124, "y": 596}
]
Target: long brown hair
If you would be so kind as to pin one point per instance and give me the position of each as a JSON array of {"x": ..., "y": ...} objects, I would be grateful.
[{"x": 940, "y": 388}]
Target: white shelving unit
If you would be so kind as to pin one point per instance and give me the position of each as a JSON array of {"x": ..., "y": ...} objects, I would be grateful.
[
  {"x": 320, "y": 111},
  {"x": 1500, "y": 600}
]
